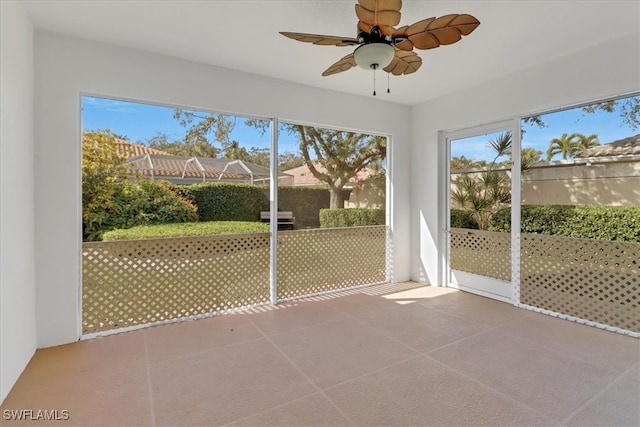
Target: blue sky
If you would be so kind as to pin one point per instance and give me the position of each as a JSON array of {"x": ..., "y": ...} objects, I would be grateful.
[
  {"x": 140, "y": 122},
  {"x": 608, "y": 126}
]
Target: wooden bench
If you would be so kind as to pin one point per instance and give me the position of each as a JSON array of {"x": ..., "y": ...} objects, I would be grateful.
[{"x": 286, "y": 220}]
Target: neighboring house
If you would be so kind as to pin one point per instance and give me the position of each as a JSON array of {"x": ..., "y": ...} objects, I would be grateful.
[
  {"x": 368, "y": 186},
  {"x": 151, "y": 163}
]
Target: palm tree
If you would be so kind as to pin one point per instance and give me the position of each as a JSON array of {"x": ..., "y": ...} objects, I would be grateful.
[
  {"x": 564, "y": 145},
  {"x": 585, "y": 142},
  {"x": 501, "y": 145},
  {"x": 486, "y": 191},
  {"x": 528, "y": 157},
  {"x": 461, "y": 162}
]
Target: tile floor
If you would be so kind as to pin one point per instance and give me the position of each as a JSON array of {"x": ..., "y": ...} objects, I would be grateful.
[{"x": 386, "y": 355}]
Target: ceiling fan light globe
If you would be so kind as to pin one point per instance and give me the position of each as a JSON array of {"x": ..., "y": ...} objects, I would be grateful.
[{"x": 374, "y": 55}]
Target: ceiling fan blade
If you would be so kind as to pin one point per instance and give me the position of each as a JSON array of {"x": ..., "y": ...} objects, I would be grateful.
[
  {"x": 401, "y": 34},
  {"x": 381, "y": 4},
  {"x": 320, "y": 39},
  {"x": 344, "y": 64},
  {"x": 434, "y": 32},
  {"x": 404, "y": 62},
  {"x": 382, "y": 13}
]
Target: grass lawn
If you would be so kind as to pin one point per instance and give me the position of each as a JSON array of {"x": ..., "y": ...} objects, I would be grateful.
[{"x": 186, "y": 229}]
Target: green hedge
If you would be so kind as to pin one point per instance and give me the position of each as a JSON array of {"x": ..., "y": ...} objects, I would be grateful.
[
  {"x": 186, "y": 229},
  {"x": 594, "y": 222},
  {"x": 139, "y": 203},
  {"x": 226, "y": 201},
  {"x": 305, "y": 202},
  {"x": 331, "y": 218},
  {"x": 463, "y": 219}
]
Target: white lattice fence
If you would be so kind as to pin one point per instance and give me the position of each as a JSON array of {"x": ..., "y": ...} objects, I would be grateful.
[
  {"x": 321, "y": 260},
  {"x": 596, "y": 280},
  {"x": 128, "y": 283},
  {"x": 486, "y": 253}
]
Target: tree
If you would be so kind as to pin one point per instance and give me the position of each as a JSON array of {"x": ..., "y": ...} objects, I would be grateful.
[
  {"x": 340, "y": 154},
  {"x": 110, "y": 200},
  {"x": 629, "y": 111},
  {"x": 288, "y": 160},
  {"x": 234, "y": 151},
  {"x": 461, "y": 162},
  {"x": 102, "y": 174},
  {"x": 483, "y": 195},
  {"x": 565, "y": 145},
  {"x": 202, "y": 126},
  {"x": 529, "y": 156},
  {"x": 569, "y": 145},
  {"x": 485, "y": 191},
  {"x": 585, "y": 142},
  {"x": 259, "y": 156},
  {"x": 194, "y": 147}
]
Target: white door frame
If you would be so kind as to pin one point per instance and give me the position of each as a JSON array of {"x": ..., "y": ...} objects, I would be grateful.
[{"x": 444, "y": 200}]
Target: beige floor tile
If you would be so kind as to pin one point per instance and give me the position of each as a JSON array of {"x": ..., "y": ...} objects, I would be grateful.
[
  {"x": 179, "y": 339},
  {"x": 111, "y": 353},
  {"x": 550, "y": 382},
  {"x": 477, "y": 309},
  {"x": 494, "y": 365},
  {"x": 294, "y": 315},
  {"x": 359, "y": 303},
  {"x": 314, "y": 410},
  {"x": 617, "y": 405},
  {"x": 613, "y": 351},
  {"x": 224, "y": 384},
  {"x": 92, "y": 397},
  {"x": 338, "y": 351},
  {"x": 421, "y": 392},
  {"x": 420, "y": 327},
  {"x": 379, "y": 297}
]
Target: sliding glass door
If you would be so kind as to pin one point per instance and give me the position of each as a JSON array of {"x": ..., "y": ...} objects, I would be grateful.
[{"x": 479, "y": 194}]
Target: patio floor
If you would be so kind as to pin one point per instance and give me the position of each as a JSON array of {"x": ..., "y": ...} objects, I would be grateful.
[{"x": 385, "y": 355}]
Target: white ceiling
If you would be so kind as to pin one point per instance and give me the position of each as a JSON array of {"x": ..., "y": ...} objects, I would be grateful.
[{"x": 243, "y": 35}]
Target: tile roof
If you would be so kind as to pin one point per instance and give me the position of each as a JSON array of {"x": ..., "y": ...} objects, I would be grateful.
[
  {"x": 623, "y": 147},
  {"x": 128, "y": 149},
  {"x": 167, "y": 165}
]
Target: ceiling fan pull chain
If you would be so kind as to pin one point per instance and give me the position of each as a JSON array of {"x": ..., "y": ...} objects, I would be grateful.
[
  {"x": 374, "y": 79},
  {"x": 388, "y": 90}
]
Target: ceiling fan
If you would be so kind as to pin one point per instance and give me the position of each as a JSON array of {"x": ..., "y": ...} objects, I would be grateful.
[{"x": 381, "y": 45}]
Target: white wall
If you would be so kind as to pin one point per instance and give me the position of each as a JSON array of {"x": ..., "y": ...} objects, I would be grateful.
[
  {"x": 67, "y": 67},
  {"x": 17, "y": 265},
  {"x": 599, "y": 72}
]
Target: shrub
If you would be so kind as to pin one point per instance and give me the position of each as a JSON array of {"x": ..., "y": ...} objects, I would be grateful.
[
  {"x": 186, "y": 229},
  {"x": 227, "y": 201},
  {"x": 305, "y": 202},
  {"x": 140, "y": 203},
  {"x": 102, "y": 181},
  {"x": 463, "y": 219},
  {"x": 594, "y": 222},
  {"x": 330, "y": 218},
  {"x": 159, "y": 202}
]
